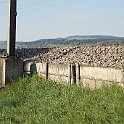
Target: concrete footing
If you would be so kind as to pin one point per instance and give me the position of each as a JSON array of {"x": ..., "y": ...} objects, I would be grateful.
[{"x": 11, "y": 68}]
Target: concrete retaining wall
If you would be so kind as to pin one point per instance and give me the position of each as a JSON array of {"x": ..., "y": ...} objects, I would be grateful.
[
  {"x": 93, "y": 77},
  {"x": 56, "y": 72},
  {"x": 96, "y": 76},
  {"x": 10, "y": 69}
]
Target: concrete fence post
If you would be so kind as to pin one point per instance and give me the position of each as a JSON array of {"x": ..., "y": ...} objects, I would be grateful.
[
  {"x": 78, "y": 73},
  {"x": 33, "y": 68},
  {"x": 26, "y": 67},
  {"x": 123, "y": 77},
  {"x": 2, "y": 72},
  {"x": 47, "y": 71},
  {"x": 73, "y": 74},
  {"x": 69, "y": 73}
]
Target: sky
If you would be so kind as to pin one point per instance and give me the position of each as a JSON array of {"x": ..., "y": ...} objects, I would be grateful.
[{"x": 38, "y": 19}]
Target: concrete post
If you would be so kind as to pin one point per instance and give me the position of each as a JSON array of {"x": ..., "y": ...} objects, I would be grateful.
[
  {"x": 33, "y": 68},
  {"x": 47, "y": 71},
  {"x": 12, "y": 28},
  {"x": 73, "y": 74},
  {"x": 69, "y": 73},
  {"x": 2, "y": 72},
  {"x": 26, "y": 67},
  {"x": 78, "y": 73},
  {"x": 123, "y": 77}
]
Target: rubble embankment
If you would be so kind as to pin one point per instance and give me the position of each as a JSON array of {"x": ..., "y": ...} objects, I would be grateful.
[{"x": 103, "y": 56}]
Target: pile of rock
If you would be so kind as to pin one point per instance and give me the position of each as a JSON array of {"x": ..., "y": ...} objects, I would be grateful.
[
  {"x": 105, "y": 56},
  {"x": 54, "y": 55},
  {"x": 26, "y": 53}
]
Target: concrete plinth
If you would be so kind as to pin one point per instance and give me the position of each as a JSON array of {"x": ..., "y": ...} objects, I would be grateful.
[{"x": 11, "y": 68}]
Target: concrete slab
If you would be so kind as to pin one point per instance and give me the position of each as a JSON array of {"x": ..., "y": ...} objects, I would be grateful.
[
  {"x": 13, "y": 69},
  {"x": 10, "y": 69}
]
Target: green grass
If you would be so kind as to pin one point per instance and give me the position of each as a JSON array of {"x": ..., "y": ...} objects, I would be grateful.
[{"x": 35, "y": 101}]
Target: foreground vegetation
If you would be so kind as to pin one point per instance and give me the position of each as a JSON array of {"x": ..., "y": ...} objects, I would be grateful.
[{"x": 35, "y": 101}]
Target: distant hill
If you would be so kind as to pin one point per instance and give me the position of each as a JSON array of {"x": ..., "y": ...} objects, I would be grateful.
[
  {"x": 73, "y": 40},
  {"x": 87, "y": 37},
  {"x": 2, "y": 44}
]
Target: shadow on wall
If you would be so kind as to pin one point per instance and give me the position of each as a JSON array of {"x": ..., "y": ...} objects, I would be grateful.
[{"x": 33, "y": 68}]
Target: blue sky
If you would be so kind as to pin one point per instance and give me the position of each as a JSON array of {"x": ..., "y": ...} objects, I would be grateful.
[{"x": 60, "y": 18}]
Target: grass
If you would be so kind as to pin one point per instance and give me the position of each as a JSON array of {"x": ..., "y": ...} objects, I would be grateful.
[{"x": 36, "y": 101}]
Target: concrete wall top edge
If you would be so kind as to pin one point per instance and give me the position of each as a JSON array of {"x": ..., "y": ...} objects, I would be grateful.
[{"x": 101, "y": 67}]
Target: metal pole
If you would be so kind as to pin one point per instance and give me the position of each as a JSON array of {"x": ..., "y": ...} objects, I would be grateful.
[{"x": 12, "y": 28}]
